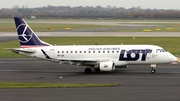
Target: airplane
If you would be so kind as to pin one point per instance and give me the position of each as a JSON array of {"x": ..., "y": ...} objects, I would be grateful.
[{"x": 103, "y": 58}]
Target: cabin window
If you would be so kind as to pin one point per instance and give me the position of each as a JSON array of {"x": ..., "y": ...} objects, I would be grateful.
[
  {"x": 57, "y": 51},
  {"x": 79, "y": 51},
  {"x": 112, "y": 51},
  {"x": 89, "y": 51},
  {"x": 66, "y": 51},
  {"x": 93, "y": 51},
  {"x": 75, "y": 51},
  {"x": 107, "y": 51},
  {"x": 84, "y": 51},
  {"x": 158, "y": 50},
  {"x": 62, "y": 51},
  {"x": 103, "y": 51},
  {"x": 71, "y": 51},
  {"x": 51, "y": 49},
  {"x": 117, "y": 51},
  {"x": 99, "y": 51}
]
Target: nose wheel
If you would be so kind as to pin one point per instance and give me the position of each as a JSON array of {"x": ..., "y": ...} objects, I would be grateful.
[{"x": 153, "y": 68}]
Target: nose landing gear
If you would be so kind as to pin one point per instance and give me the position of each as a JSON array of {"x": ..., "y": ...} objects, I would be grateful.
[{"x": 153, "y": 68}]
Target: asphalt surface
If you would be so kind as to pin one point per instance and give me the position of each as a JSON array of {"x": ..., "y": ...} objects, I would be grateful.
[
  {"x": 136, "y": 83},
  {"x": 10, "y": 36},
  {"x": 115, "y": 34}
]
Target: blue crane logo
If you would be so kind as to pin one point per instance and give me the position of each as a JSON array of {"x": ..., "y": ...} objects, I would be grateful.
[{"x": 24, "y": 33}]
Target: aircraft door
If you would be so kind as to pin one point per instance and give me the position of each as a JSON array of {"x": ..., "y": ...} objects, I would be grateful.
[{"x": 52, "y": 53}]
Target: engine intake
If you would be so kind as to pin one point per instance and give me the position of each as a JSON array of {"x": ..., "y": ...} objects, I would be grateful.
[{"x": 106, "y": 66}]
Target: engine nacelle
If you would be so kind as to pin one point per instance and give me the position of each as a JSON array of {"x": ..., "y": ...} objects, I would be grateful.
[{"x": 106, "y": 66}]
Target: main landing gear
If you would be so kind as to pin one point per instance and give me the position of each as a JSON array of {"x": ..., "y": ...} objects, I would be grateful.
[
  {"x": 153, "y": 68},
  {"x": 88, "y": 70}
]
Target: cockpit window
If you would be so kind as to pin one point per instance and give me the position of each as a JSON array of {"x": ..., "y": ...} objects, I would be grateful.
[
  {"x": 163, "y": 50},
  {"x": 160, "y": 50}
]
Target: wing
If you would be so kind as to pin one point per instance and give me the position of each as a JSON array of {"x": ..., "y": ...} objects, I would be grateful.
[
  {"x": 75, "y": 61},
  {"x": 17, "y": 50},
  {"x": 81, "y": 61}
]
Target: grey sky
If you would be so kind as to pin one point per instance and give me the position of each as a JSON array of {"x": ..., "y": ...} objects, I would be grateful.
[{"x": 159, "y": 4}]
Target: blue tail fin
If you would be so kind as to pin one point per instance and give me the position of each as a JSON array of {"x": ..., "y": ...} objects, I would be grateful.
[{"x": 27, "y": 37}]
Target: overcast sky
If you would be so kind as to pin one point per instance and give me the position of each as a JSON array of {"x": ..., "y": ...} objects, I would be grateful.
[{"x": 158, "y": 4}]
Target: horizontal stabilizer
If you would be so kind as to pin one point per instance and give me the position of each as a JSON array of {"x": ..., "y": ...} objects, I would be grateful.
[{"x": 17, "y": 50}]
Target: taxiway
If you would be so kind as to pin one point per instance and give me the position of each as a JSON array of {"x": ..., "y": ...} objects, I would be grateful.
[
  {"x": 135, "y": 82},
  {"x": 115, "y": 34}
]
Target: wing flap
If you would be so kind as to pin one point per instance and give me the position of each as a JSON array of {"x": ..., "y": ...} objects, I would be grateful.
[{"x": 82, "y": 59}]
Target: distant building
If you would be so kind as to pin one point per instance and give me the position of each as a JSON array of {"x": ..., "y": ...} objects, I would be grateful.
[{"x": 32, "y": 17}]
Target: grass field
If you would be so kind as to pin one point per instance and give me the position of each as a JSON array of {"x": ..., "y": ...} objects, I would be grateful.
[
  {"x": 92, "y": 20},
  {"x": 7, "y": 25},
  {"x": 50, "y": 85},
  {"x": 169, "y": 43},
  {"x": 10, "y": 27}
]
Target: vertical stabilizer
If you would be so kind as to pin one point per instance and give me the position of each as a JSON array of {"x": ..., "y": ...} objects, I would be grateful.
[{"x": 27, "y": 37}]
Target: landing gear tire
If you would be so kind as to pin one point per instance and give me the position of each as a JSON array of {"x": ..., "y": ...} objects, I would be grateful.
[
  {"x": 97, "y": 69},
  {"x": 88, "y": 70},
  {"x": 153, "y": 70}
]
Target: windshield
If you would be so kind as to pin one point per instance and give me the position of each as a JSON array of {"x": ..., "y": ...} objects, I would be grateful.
[{"x": 160, "y": 50}]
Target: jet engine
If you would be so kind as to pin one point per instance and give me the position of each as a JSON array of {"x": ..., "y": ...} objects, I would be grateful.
[{"x": 106, "y": 66}]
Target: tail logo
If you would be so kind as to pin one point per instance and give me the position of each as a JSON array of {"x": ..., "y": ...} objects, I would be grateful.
[{"x": 24, "y": 33}]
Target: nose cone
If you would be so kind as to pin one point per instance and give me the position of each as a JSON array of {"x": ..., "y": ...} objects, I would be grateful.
[{"x": 173, "y": 59}]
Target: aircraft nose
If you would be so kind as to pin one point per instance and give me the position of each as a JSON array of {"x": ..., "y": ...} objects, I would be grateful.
[{"x": 173, "y": 59}]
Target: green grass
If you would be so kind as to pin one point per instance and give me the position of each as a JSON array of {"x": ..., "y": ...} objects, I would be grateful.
[
  {"x": 7, "y": 25},
  {"x": 90, "y": 20},
  {"x": 176, "y": 28},
  {"x": 44, "y": 27},
  {"x": 169, "y": 43},
  {"x": 50, "y": 85}
]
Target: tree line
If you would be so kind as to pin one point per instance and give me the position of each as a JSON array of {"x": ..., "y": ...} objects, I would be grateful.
[{"x": 88, "y": 12}]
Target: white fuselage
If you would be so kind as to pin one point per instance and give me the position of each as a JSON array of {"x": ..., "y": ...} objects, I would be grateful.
[
  {"x": 99, "y": 57},
  {"x": 119, "y": 54}
]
